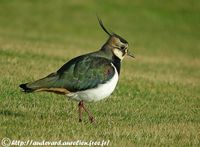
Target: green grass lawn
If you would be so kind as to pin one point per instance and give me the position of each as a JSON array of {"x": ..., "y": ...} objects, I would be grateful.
[{"x": 157, "y": 100}]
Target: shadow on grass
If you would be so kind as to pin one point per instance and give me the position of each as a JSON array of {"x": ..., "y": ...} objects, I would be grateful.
[{"x": 11, "y": 113}]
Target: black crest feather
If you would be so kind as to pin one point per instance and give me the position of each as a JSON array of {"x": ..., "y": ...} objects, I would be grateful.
[{"x": 102, "y": 26}]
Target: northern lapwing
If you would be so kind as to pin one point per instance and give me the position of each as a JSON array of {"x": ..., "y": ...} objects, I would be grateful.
[{"x": 86, "y": 78}]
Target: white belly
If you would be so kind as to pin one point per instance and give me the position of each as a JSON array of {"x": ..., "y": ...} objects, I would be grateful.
[{"x": 98, "y": 93}]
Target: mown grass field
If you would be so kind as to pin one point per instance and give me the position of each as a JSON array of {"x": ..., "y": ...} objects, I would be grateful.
[{"x": 157, "y": 100}]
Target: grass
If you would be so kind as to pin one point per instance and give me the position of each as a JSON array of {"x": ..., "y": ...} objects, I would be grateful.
[{"x": 156, "y": 102}]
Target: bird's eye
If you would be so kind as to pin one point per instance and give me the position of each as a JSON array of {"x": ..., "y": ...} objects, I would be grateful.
[{"x": 122, "y": 47}]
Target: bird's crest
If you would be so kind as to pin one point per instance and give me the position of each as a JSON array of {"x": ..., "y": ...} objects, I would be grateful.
[{"x": 103, "y": 27}]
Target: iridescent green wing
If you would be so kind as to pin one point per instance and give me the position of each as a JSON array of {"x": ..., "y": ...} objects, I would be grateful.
[{"x": 84, "y": 72}]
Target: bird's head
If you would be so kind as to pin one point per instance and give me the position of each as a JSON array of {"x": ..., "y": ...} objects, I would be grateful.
[{"x": 115, "y": 43}]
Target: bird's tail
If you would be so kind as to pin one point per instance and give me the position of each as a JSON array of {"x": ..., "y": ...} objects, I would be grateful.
[
  {"x": 25, "y": 88},
  {"x": 46, "y": 82}
]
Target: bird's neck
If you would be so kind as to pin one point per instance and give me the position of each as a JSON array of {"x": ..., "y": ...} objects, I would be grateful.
[
  {"x": 117, "y": 63},
  {"x": 106, "y": 51}
]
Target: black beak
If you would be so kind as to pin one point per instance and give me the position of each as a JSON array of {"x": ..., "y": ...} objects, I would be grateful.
[{"x": 130, "y": 55}]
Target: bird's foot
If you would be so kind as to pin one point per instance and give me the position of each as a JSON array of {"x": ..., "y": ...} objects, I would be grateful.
[{"x": 91, "y": 119}]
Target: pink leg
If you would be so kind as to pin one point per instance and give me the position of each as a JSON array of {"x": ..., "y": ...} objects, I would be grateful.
[{"x": 81, "y": 105}]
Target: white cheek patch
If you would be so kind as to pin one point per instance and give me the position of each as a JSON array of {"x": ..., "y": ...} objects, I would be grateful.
[{"x": 118, "y": 53}]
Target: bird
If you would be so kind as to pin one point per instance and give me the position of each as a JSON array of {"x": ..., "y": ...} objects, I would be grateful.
[{"x": 86, "y": 78}]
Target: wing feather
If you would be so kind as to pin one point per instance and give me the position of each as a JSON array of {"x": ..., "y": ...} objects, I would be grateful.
[{"x": 85, "y": 73}]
